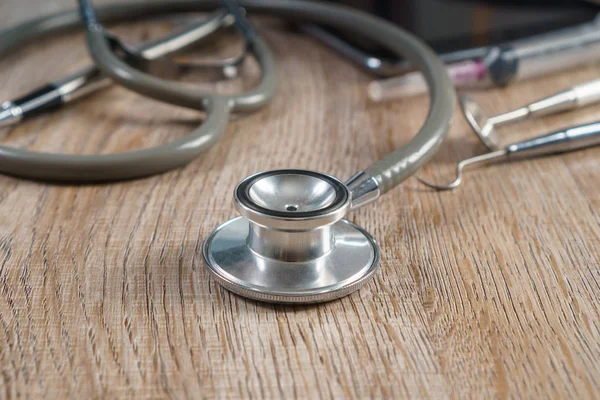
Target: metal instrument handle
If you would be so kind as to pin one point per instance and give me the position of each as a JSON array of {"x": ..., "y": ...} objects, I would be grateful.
[
  {"x": 578, "y": 96},
  {"x": 587, "y": 93},
  {"x": 569, "y": 139},
  {"x": 567, "y": 48}
]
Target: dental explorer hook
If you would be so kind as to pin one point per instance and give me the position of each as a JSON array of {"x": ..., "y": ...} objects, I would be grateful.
[
  {"x": 459, "y": 169},
  {"x": 570, "y": 139}
]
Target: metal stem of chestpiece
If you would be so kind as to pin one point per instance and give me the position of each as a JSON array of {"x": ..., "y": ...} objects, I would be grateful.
[{"x": 89, "y": 79}]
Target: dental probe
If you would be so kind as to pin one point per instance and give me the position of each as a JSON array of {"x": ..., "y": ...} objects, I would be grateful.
[{"x": 561, "y": 141}]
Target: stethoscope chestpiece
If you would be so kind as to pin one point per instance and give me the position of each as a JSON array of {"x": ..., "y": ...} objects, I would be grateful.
[{"x": 291, "y": 243}]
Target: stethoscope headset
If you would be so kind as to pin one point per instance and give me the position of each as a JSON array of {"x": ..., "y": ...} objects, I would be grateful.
[{"x": 291, "y": 243}]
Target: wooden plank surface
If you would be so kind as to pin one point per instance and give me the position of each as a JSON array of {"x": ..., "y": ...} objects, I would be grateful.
[{"x": 488, "y": 291}]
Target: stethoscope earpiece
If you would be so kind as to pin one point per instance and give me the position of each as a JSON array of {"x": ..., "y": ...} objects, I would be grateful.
[{"x": 291, "y": 243}]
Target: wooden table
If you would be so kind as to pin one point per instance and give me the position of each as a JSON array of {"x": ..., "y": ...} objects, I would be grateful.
[{"x": 491, "y": 290}]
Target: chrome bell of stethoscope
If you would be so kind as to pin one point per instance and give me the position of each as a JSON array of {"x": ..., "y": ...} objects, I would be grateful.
[{"x": 291, "y": 243}]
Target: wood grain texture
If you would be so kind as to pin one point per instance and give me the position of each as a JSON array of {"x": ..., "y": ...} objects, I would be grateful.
[{"x": 489, "y": 291}]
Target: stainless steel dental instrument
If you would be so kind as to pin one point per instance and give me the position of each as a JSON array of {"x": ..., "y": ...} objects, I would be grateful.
[
  {"x": 570, "y": 139},
  {"x": 582, "y": 95},
  {"x": 292, "y": 243}
]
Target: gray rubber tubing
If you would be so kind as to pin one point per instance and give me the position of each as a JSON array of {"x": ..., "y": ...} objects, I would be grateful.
[{"x": 389, "y": 171}]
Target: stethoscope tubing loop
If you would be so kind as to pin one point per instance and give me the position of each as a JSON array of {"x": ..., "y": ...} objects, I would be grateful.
[{"x": 388, "y": 172}]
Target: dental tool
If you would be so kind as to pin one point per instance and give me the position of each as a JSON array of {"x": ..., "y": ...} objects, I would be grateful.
[
  {"x": 561, "y": 141},
  {"x": 578, "y": 96}
]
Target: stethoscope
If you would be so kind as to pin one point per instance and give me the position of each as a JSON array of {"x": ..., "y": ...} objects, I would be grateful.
[{"x": 291, "y": 243}]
